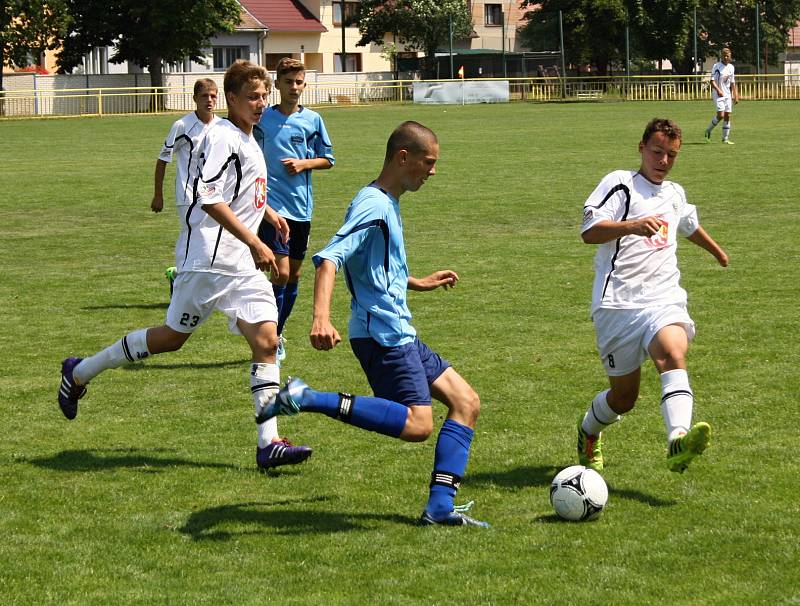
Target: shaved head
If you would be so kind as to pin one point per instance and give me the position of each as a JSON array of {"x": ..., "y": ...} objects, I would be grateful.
[{"x": 410, "y": 136}]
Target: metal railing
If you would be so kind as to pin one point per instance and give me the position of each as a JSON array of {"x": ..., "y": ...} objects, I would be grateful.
[{"x": 149, "y": 100}]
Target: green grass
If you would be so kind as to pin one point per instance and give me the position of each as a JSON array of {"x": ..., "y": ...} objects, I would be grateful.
[{"x": 151, "y": 495}]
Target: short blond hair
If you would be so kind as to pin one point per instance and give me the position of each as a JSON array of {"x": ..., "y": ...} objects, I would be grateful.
[
  {"x": 287, "y": 65},
  {"x": 244, "y": 72},
  {"x": 204, "y": 84}
]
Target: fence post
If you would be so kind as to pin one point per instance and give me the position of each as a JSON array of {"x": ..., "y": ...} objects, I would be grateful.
[{"x": 100, "y": 102}]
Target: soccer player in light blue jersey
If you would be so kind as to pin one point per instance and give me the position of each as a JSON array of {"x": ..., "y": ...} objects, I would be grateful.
[
  {"x": 403, "y": 372},
  {"x": 295, "y": 142}
]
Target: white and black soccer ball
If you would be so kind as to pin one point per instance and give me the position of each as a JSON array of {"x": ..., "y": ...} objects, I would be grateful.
[{"x": 578, "y": 493}]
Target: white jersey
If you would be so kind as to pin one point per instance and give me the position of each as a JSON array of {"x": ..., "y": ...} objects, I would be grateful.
[
  {"x": 636, "y": 271},
  {"x": 183, "y": 143},
  {"x": 233, "y": 172},
  {"x": 723, "y": 75}
]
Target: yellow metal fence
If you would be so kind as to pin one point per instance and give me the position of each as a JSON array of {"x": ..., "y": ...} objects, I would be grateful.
[{"x": 144, "y": 100}]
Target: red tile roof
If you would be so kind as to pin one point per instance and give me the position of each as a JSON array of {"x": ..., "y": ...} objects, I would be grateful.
[
  {"x": 283, "y": 15},
  {"x": 249, "y": 22}
]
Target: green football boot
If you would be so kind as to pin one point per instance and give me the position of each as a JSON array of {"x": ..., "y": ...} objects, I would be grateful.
[
  {"x": 706, "y": 137},
  {"x": 589, "y": 448},
  {"x": 690, "y": 445}
]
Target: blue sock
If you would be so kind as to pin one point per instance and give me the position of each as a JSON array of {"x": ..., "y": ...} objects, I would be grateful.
[
  {"x": 278, "y": 291},
  {"x": 288, "y": 297},
  {"x": 374, "y": 414},
  {"x": 449, "y": 465}
]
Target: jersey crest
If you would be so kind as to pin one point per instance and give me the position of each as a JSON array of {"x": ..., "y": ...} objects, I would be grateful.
[
  {"x": 260, "y": 198},
  {"x": 660, "y": 239}
]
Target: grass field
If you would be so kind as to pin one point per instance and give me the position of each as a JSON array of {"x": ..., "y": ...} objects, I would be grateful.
[{"x": 151, "y": 496}]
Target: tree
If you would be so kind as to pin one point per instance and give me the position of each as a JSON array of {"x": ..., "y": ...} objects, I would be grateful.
[
  {"x": 418, "y": 24},
  {"x": 661, "y": 29},
  {"x": 28, "y": 28},
  {"x": 146, "y": 32},
  {"x": 733, "y": 24},
  {"x": 594, "y": 30}
]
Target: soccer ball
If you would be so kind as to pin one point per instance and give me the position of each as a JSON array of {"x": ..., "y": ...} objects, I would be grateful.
[{"x": 578, "y": 493}]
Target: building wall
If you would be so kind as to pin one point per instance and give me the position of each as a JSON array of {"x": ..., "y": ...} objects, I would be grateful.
[{"x": 491, "y": 36}]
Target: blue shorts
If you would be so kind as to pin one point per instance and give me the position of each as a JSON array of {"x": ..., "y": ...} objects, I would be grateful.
[
  {"x": 296, "y": 247},
  {"x": 402, "y": 374}
]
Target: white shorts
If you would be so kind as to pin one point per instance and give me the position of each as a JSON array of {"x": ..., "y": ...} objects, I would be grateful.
[
  {"x": 724, "y": 104},
  {"x": 197, "y": 294},
  {"x": 623, "y": 335}
]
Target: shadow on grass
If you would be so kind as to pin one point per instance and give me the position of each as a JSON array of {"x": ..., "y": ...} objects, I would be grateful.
[
  {"x": 528, "y": 476},
  {"x": 203, "y": 525},
  {"x": 127, "y": 306},
  {"x": 187, "y": 365},
  {"x": 517, "y": 477},
  {"x": 102, "y": 460}
]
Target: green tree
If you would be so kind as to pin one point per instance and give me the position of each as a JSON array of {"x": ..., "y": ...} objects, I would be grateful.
[
  {"x": 594, "y": 30},
  {"x": 146, "y": 32},
  {"x": 733, "y": 24},
  {"x": 661, "y": 29},
  {"x": 28, "y": 28},
  {"x": 422, "y": 25}
]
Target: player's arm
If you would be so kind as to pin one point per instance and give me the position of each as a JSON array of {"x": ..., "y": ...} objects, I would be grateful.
[
  {"x": 323, "y": 334},
  {"x": 262, "y": 255},
  {"x": 294, "y": 166},
  {"x": 706, "y": 242},
  {"x": 445, "y": 278},
  {"x": 157, "y": 204},
  {"x": 715, "y": 84},
  {"x": 279, "y": 223},
  {"x": 606, "y": 231},
  {"x": 734, "y": 92}
]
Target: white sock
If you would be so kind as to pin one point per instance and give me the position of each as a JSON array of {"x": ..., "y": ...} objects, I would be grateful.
[
  {"x": 264, "y": 384},
  {"x": 599, "y": 416},
  {"x": 714, "y": 122},
  {"x": 130, "y": 348},
  {"x": 677, "y": 401},
  {"x": 726, "y": 130}
]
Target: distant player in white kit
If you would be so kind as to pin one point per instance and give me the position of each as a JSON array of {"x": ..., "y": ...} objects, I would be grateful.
[
  {"x": 638, "y": 306},
  {"x": 219, "y": 263},
  {"x": 183, "y": 145},
  {"x": 724, "y": 94}
]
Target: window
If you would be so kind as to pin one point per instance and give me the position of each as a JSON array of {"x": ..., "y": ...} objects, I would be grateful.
[
  {"x": 352, "y": 62},
  {"x": 224, "y": 56},
  {"x": 493, "y": 14},
  {"x": 271, "y": 60},
  {"x": 350, "y": 13}
]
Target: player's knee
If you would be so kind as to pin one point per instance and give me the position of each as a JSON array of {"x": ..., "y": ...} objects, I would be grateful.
[
  {"x": 265, "y": 346},
  {"x": 281, "y": 278},
  {"x": 671, "y": 359},
  {"x": 418, "y": 430},
  {"x": 623, "y": 400},
  {"x": 468, "y": 406},
  {"x": 173, "y": 342}
]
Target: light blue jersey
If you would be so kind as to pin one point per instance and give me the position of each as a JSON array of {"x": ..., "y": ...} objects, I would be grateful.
[
  {"x": 370, "y": 247},
  {"x": 300, "y": 135}
]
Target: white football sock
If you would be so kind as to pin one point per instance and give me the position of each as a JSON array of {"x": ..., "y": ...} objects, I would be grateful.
[
  {"x": 264, "y": 384},
  {"x": 726, "y": 130},
  {"x": 677, "y": 401},
  {"x": 130, "y": 348},
  {"x": 714, "y": 122},
  {"x": 599, "y": 416}
]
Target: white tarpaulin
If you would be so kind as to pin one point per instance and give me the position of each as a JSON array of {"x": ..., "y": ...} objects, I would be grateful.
[{"x": 466, "y": 91}]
